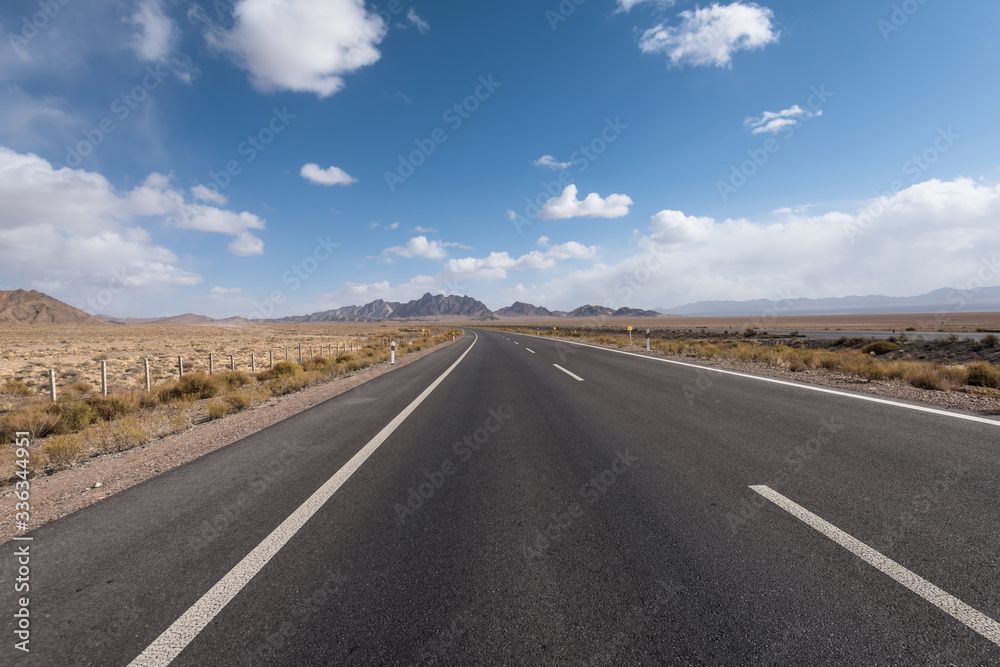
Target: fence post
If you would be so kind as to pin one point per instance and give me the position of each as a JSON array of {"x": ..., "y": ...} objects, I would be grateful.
[
  {"x": 147, "y": 374},
  {"x": 232, "y": 362},
  {"x": 286, "y": 353},
  {"x": 52, "y": 384},
  {"x": 300, "y": 353},
  {"x": 253, "y": 363},
  {"x": 270, "y": 358},
  {"x": 104, "y": 378},
  {"x": 180, "y": 366},
  {"x": 211, "y": 363}
]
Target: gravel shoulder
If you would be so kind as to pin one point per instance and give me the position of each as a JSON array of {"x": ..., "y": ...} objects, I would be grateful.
[{"x": 55, "y": 496}]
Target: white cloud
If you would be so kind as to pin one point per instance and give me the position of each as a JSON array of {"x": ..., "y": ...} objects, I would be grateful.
[
  {"x": 420, "y": 247},
  {"x": 551, "y": 163},
  {"x": 496, "y": 265},
  {"x": 329, "y": 176},
  {"x": 626, "y": 5},
  {"x": 373, "y": 225},
  {"x": 930, "y": 235},
  {"x": 709, "y": 36},
  {"x": 246, "y": 244},
  {"x": 424, "y": 230},
  {"x": 567, "y": 205},
  {"x": 543, "y": 241},
  {"x": 394, "y": 225},
  {"x": 225, "y": 291},
  {"x": 775, "y": 121},
  {"x": 157, "y": 35},
  {"x": 204, "y": 193},
  {"x": 301, "y": 45},
  {"x": 69, "y": 232},
  {"x": 423, "y": 26}
]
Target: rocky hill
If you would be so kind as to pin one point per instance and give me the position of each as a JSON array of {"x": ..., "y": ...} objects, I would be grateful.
[
  {"x": 521, "y": 309},
  {"x": 30, "y": 307}
]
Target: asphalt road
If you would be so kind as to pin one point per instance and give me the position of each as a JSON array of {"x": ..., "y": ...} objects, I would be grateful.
[{"x": 597, "y": 513}]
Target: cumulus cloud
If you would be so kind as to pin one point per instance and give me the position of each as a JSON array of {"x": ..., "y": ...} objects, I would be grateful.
[
  {"x": 329, "y": 176},
  {"x": 69, "y": 231},
  {"x": 774, "y": 121},
  {"x": 157, "y": 32},
  {"x": 301, "y": 45},
  {"x": 567, "y": 205},
  {"x": 424, "y": 230},
  {"x": 626, "y": 5},
  {"x": 204, "y": 193},
  {"x": 420, "y": 247},
  {"x": 496, "y": 265},
  {"x": 926, "y": 236},
  {"x": 709, "y": 36},
  {"x": 551, "y": 163},
  {"x": 226, "y": 291},
  {"x": 423, "y": 26}
]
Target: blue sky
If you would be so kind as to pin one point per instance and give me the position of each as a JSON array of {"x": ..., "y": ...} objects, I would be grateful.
[{"x": 280, "y": 157}]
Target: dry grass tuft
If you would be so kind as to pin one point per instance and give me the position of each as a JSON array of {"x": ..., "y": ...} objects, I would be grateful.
[{"x": 64, "y": 451}]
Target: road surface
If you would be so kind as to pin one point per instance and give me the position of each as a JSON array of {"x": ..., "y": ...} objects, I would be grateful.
[{"x": 525, "y": 501}]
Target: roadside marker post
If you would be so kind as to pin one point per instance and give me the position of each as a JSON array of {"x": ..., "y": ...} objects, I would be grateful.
[
  {"x": 647, "y": 340},
  {"x": 392, "y": 348},
  {"x": 104, "y": 378},
  {"x": 52, "y": 384},
  {"x": 630, "y": 334},
  {"x": 147, "y": 375},
  {"x": 180, "y": 366},
  {"x": 211, "y": 363}
]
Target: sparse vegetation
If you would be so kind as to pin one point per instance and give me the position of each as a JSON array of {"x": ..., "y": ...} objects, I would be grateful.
[{"x": 880, "y": 347}]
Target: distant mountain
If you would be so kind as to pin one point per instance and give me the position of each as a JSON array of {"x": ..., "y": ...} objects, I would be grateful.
[
  {"x": 187, "y": 320},
  {"x": 635, "y": 312},
  {"x": 426, "y": 307},
  {"x": 520, "y": 309},
  {"x": 30, "y": 307},
  {"x": 980, "y": 299},
  {"x": 591, "y": 311}
]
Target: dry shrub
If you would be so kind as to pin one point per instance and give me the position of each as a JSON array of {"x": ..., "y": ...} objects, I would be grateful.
[
  {"x": 927, "y": 378},
  {"x": 880, "y": 347},
  {"x": 318, "y": 364},
  {"x": 16, "y": 388},
  {"x": 234, "y": 379},
  {"x": 126, "y": 433},
  {"x": 280, "y": 369},
  {"x": 80, "y": 389},
  {"x": 241, "y": 399},
  {"x": 797, "y": 365},
  {"x": 195, "y": 386},
  {"x": 115, "y": 405},
  {"x": 33, "y": 418},
  {"x": 217, "y": 409},
  {"x": 287, "y": 384},
  {"x": 74, "y": 415},
  {"x": 64, "y": 451},
  {"x": 982, "y": 374},
  {"x": 344, "y": 358}
]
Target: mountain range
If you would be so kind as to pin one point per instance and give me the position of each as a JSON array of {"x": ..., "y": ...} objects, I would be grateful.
[
  {"x": 32, "y": 307},
  {"x": 979, "y": 299}
]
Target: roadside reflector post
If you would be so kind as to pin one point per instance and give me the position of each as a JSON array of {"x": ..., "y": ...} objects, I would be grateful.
[
  {"x": 104, "y": 378},
  {"x": 392, "y": 348},
  {"x": 148, "y": 387},
  {"x": 630, "y": 335},
  {"x": 647, "y": 340},
  {"x": 211, "y": 363},
  {"x": 52, "y": 384}
]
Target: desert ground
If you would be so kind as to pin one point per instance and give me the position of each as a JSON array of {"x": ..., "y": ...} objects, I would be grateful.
[{"x": 75, "y": 352}]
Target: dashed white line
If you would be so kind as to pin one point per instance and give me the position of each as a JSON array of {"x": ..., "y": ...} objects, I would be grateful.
[
  {"x": 572, "y": 375},
  {"x": 174, "y": 639},
  {"x": 822, "y": 390},
  {"x": 530, "y": 350},
  {"x": 948, "y": 603}
]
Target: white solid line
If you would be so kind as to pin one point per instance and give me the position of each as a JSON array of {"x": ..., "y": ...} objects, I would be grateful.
[
  {"x": 948, "y": 603},
  {"x": 516, "y": 343},
  {"x": 168, "y": 645},
  {"x": 530, "y": 350},
  {"x": 572, "y": 375},
  {"x": 823, "y": 390}
]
